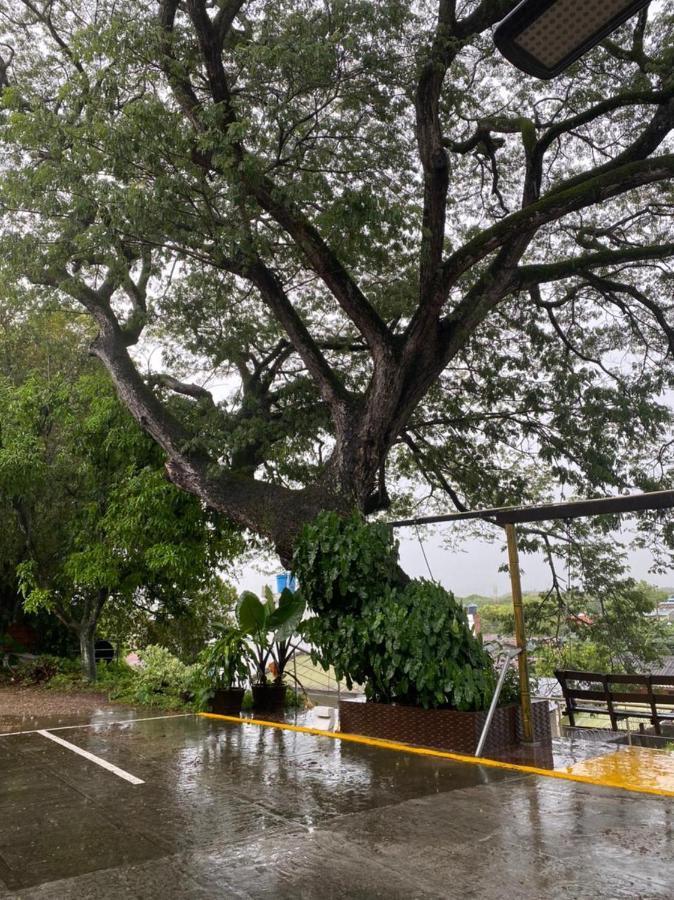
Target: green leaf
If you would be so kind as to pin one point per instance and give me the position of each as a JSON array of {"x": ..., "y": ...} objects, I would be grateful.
[{"x": 251, "y": 614}]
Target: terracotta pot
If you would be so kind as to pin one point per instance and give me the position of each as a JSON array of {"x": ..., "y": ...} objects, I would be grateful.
[
  {"x": 269, "y": 697},
  {"x": 227, "y": 702}
]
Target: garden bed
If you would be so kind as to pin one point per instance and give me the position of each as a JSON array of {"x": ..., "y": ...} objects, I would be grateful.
[{"x": 442, "y": 729}]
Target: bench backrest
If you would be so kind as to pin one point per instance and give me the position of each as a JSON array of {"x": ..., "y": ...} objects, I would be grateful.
[{"x": 651, "y": 690}]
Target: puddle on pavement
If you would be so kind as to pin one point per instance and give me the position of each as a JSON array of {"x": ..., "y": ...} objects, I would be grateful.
[
  {"x": 630, "y": 767},
  {"x": 602, "y": 757}
]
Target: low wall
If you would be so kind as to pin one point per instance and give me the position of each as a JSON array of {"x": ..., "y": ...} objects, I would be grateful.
[{"x": 442, "y": 729}]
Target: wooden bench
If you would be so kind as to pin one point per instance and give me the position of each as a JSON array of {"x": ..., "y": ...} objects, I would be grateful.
[{"x": 618, "y": 696}]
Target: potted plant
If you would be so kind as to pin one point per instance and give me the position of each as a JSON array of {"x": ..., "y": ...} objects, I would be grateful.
[
  {"x": 269, "y": 627},
  {"x": 225, "y": 673},
  {"x": 428, "y": 679}
]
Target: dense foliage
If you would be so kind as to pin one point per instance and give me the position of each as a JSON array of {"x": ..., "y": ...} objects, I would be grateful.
[
  {"x": 90, "y": 519},
  {"x": 225, "y": 662},
  {"x": 41, "y": 669},
  {"x": 184, "y": 626},
  {"x": 407, "y": 644},
  {"x": 161, "y": 681},
  {"x": 615, "y": 629}
]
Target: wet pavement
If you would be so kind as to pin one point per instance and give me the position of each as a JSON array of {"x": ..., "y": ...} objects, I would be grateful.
[
  {"x": 228, "y": 810},
  {"x": 631, "y": 767},
  {"x": 26, "y": 708}
]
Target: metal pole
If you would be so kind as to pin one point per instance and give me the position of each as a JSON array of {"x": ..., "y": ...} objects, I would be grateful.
[
  {"x": 494, "y": 700},
  {"x": 295, "y": 677},
  {"x": 520, "y": 636}
]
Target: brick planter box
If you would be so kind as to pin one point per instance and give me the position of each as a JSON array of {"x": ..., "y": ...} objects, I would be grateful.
[{"x": 441, "y": 729}]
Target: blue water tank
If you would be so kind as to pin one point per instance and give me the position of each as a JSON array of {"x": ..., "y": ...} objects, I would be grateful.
[{"x": 286, "y": 580}]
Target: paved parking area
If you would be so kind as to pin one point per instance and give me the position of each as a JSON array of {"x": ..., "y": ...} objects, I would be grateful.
[{"x": 224, "y": 810}]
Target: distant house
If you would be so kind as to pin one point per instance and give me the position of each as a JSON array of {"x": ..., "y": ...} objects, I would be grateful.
[{"x": 664, "y": 610}]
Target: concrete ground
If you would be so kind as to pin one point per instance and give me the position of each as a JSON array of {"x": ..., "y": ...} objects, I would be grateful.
[{"x": 227, "y": 810}]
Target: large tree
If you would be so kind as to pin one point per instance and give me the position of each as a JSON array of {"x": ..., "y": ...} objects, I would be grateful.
[{"x": 400, "y": 256}]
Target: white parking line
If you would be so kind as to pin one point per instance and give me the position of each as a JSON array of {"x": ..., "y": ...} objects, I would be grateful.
[
  {"x": 96, "y": 724},
  {"x": 95, "y": 759}
]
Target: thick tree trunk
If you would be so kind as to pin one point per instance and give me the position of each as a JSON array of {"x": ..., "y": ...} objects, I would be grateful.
[
  {"x": 86, "y": 632},
  {"x": 270, "y": 510},
  {"x": 87, "y": 636},
  {"x": 365, "y": 430}
]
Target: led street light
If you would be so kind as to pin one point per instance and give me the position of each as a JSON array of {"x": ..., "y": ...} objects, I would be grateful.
[{"x": 543, "y": 37}]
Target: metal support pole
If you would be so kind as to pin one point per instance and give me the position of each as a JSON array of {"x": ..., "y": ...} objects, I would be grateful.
[
  {"x": 494, "y": 700},
  {"x": 520, "y": 636}
]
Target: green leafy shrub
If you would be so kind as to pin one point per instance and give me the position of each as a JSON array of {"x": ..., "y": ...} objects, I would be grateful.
[
  {"x": 294, "y": 700},
  {"x": 73, "y": 681},
  {"x": 343, "y": 563},
  {"x": 406, "y": 643},
  {"x": 222, "y": 666},
  {"x": 247, "y": 704},
  {"x": 510, "y": 692},
  {"x": 162, "y": 680},
  {"x": 10, "y": 649},
  {"x": 581, "y": 655},
  {"x": 117, "y": 678},
  {"x": 43, "y": 669}
]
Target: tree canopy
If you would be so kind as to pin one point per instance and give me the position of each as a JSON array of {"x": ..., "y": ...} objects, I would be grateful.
[
  {"x": 90, "y": 517},
  {"x": 385, "y": 256}
]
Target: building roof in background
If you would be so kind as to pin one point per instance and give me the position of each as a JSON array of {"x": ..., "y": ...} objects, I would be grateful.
[{"x": 666, "y": 667}]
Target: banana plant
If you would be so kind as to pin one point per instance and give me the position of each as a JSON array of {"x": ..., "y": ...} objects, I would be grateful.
[{"x": 270, "y": 627}]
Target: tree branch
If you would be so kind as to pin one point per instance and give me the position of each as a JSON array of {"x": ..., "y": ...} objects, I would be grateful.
[
  {"x": 271, "y": 197},
  {"x": 541, "y": 273},
  {"x": 641, "y": 148},
  {"x": 553, "y": 206},
  {"x": 606, "y": 285},
  {"x": 424, "y": 460},
  {"x": 432, "y": 153},
  {"x": 332, "y": 389},
  {"x": 181, "y": 387}
]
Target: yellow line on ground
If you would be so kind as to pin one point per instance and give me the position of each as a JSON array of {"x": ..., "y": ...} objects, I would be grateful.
[{"x": 443, "y": 754}]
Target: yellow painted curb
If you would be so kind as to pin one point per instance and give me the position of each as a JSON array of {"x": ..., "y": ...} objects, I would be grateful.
[{"x": 443, "y": 754}]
